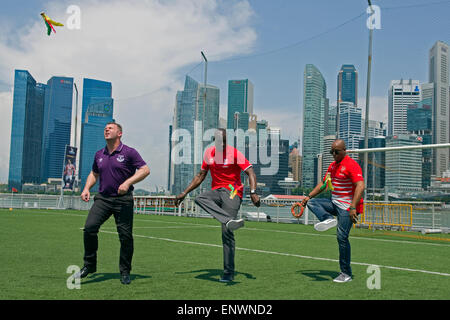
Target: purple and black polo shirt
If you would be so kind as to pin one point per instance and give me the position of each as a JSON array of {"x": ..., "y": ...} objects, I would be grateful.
[{"x": 116, "y": 167}]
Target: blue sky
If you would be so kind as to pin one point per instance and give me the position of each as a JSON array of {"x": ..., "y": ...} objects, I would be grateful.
[{"x": 264, "y": 41}]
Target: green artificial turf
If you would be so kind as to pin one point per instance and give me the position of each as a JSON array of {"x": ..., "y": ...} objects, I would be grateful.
[{"x": 180, "y": 258}]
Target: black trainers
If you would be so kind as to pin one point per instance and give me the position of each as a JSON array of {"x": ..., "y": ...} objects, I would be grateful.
[
  {"x": 125, "y": 278},
  {"x": 226, "y": 278},
  {"x": 84, "y": 272}
]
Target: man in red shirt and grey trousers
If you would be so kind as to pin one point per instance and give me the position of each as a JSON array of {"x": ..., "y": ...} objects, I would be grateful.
[
  {"x": 224, "y": 200},
  {"x": 345, "y": 203}
]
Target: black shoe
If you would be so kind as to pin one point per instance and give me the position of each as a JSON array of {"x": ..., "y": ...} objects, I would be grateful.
[
  {"x": 84, "y": 272},
  {"x": 226, "y": 278},
  {"x": 125, "y": 278}
]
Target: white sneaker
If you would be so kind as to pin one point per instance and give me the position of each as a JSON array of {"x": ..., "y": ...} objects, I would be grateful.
[
  {"x": 325, "y": 225},
  {"x": 233, "y": 225},
  {"x": 342, "y": 277}
]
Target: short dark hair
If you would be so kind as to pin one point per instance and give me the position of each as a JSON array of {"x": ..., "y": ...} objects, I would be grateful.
[{"x": 115, "y": 123}]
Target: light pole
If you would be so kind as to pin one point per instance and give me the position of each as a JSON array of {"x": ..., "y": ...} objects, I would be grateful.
[
  {"x": 198, "y": 136},
  {"x": 366, "y": 122}
]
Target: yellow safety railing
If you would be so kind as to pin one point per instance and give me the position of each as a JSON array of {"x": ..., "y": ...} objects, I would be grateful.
[{"x": 387, "y": 214}]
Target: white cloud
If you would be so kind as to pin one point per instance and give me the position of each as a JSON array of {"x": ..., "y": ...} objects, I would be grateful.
[{"x": 140, "y": 47}]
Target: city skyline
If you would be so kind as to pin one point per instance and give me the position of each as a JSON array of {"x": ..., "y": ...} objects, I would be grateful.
[{"x": 256, "y": 31}]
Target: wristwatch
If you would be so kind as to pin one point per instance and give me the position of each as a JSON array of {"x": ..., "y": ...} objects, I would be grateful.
[
  {"x": 253, "y": 191},
  {"x": 352, "y": 208}
]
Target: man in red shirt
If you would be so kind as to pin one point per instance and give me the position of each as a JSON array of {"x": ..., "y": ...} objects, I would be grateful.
[
  {"x": 224, "y": 200},
  {"x": 345, "y": 203}
]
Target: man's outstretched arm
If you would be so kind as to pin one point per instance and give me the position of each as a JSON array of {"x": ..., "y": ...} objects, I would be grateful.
[
  {"x": 252, "y": 180},
  {"x": 198, "y": 179}
]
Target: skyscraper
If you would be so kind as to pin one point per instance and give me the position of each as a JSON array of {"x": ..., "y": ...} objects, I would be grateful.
[
  {"x": 332, "y": 129},
  {"x": 240, "y": 99},
  {"x": 420, "y": 123},
  {"x": 347, "y": 84},
  {"x": 94, "y": 89},
  {"x": 403, "y": 168},
  {"x": 97, "y": 111},
  {"x": 56, "y": 126},
  {"x": 439, "y": 76},
  {"x": 190, "y": 112},
  {"x": 314, "y": 104},
  {"x": 376, "y": 128},
  {"x": 97, "y": 115},
  {"x": 295, "y": 164},
  {"x": 241, "y": 121},
  {"x": 376, "y": 165},
  {"x": 327, "y": 157},
  {"x": 347, "y": 89},
  {"x": 402, "y": 93},
  {"x": 26, "y": 130},
  {"x": 350, "y": 125}
]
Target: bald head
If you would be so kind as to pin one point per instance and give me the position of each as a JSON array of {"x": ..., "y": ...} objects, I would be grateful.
[
  {"x": 339, "y": 144},
  {"x": 338, "y": 150}
]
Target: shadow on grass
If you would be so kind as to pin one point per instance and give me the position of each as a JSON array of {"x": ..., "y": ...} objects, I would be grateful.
[
  {"x": 215, "y": 274},
  {"x": 320, "y": 275},
  {"x": 100, "y": 277}
]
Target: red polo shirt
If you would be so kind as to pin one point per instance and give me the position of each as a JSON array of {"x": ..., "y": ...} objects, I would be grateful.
[
  {"x": 344, "y": 176},
  {"x": 225, "y": 168}
]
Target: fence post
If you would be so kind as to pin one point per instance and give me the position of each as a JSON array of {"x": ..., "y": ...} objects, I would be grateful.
[
  {"x": 278, "y": 213},
  {"x": 432, "y": 215}
]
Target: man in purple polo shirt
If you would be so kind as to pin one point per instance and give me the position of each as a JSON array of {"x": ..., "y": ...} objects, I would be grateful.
[{"x": 118, "y": 167}]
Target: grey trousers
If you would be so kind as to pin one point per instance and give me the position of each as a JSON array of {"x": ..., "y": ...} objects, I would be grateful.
[{"x": 218, "y": 204}]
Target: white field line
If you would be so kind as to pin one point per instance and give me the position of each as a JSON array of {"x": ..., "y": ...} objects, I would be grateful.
[
  {"x": 306, "y": 233},
  {"x": 285, "y": 254}
]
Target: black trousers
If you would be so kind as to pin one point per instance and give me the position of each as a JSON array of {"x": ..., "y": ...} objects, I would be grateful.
[
  {"x": 122, "y": 209},
  {"x": 218, "y": 204}
]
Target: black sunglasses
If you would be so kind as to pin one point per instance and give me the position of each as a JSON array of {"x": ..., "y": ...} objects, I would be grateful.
[{"x": 334, "y": 151}]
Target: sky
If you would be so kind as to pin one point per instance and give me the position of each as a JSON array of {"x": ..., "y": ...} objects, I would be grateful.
[{"x": 146, "y": 48}]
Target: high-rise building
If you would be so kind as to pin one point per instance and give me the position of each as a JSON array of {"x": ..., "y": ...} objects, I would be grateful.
[
  {"x": 376, "y": 128},
  {"x": 26, "y": 130},
  {"x": 347, "y": 89},
  {"x": 350, "y": 125},
  {"x": 347, "y": 84},
  {"x": 402, "y": 93},
  {"x": 280, "y": 161},
  {"x": 439, "y": 76},
  {"x": 97, "y": 111},
  {"x": 240, "y": 99},
  {"x": 327, "y": 157},
  {"x": 295, "y": 164},
  {"x": 420, "y": 123},
  {"x": 191, "y": 114},
  {"x": 94, "y": 89},
  {"x": 403, "y": 168},
  {"x": 56, "y": 126},
  {"x": 376, "y": 164},
  {"x": 97, "y": 115},
  {"x": 332, "y": 115},
  {"x": 314, "y": 104},
  {"x": 241, "y": 121}
]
